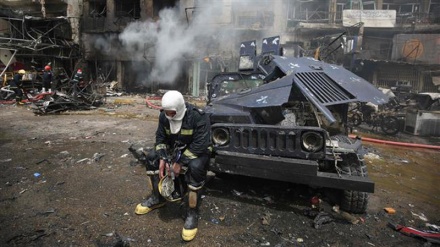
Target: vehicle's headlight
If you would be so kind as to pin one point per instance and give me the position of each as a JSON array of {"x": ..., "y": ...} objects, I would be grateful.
[
  {"x": 220, "y": 136},
  {"x": 312, "y": 141}
]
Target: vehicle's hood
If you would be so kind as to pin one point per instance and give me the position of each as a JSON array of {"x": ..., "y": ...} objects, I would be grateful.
[{"x": 353, "y": 84}]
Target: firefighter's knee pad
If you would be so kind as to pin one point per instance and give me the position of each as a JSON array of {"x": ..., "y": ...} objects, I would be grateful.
[{"x": 193, "y": 195}]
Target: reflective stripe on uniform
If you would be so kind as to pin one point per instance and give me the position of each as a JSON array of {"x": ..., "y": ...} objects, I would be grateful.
[
  {"x": 189, "y": 154},
  {"x": 193, "y": 188},
  {"x": 151, "y": 173},
  {"x": 161, "y": 146},
  {"x": 186, "y": 132}
]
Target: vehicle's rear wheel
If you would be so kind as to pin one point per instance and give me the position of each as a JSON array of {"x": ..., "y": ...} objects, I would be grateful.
[
  {"x": 390, "y": 125},
  {"x": 355, "y": 119},
  {"x": 354, "y": 201}
]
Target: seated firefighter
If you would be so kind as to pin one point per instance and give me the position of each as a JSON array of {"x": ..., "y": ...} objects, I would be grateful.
[{"x": 187, "y": 128}]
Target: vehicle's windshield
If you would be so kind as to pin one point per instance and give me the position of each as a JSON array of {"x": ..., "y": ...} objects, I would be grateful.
[{"x": 236, "y": 86}]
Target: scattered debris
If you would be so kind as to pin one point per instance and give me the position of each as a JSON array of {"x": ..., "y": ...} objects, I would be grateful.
[
  {"x": 412, "y": 232},
  {"x": 97, "y": 156},
  {"x": 41, "y": 161},
  {"x": 321, "y": 219},
  {"x": 47, "y": 212},
  {"x": 433, "y": 227},
  {"x": 372, "y": 156},
  {"x": 237, "y": 193},
  {"x": 268, "y": 199},
  {"x": 420, "y": 216},
  {"x": 82, "y": 160},
  {"x": 350, "y": 218},
  {"x": 390, "y": 210},
  {"x": 64, "y": 155},
  {"x": 265, "y": 219},
  {"x": 315, "y": 202},
  {"x": 60, "y": 102}
]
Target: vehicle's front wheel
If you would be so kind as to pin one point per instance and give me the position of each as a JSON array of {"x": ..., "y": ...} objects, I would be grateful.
[{"x": 354, "y": 201}]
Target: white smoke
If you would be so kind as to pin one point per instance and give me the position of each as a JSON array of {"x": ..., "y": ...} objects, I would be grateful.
[
  {"x": 167, "y": 43},
  {"x": 163, "y": 49}
]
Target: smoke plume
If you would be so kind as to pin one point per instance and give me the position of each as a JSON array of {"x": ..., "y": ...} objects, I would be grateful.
[{"x": 168, "y": 42}]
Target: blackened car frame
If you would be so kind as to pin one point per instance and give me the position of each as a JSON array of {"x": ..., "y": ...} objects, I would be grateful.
[{"x": 285, "y": 118}]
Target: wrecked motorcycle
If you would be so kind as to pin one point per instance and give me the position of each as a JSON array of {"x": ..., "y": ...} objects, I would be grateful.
[{"x": 383, "y": 119}]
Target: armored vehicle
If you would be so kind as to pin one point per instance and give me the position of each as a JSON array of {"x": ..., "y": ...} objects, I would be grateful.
[{"x": 285, "y": 118}]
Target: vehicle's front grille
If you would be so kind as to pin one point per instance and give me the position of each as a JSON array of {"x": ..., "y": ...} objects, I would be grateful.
[
  {"x": 324, "y": 89},
  {"x": 267, "y": 139}
]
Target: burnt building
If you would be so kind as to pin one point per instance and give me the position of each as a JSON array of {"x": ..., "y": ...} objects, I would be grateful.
[
  {"x": 146, "y": 45},
  {"x": 36, "y": 33},
  {"x": 388, "y": 42}
]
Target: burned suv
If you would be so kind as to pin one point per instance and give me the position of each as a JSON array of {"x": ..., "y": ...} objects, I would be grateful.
[{"x": 285, "y": 118}]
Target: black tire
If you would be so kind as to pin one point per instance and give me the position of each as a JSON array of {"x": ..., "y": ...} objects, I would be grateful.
[
  {"x": 390, "y": 125},
  {"x": 354, "y": 201},
  {"x": 355, "y": 119}
]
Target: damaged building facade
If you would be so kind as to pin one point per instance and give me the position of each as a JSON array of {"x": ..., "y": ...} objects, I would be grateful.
[
  {"x": 137, "y": 42},
  {"x": 387, "y": 42}
]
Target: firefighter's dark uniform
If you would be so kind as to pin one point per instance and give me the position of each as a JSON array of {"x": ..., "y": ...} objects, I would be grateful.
[
  {"x": 195, "y": 133},
  {"x": 47, "y": 80},
  {"x": 76, "y": 82},
  {"x": 15, "y": 85}
]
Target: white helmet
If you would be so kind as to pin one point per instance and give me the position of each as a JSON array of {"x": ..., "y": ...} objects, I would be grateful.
[{"x": 173, "y": 101}]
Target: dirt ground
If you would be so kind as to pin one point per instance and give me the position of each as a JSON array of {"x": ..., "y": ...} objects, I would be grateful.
[{"x": 69, "y": 180}]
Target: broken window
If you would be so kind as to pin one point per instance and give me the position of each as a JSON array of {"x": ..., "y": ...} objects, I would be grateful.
[
  {"x": 354, "y": 4},
  {"x": 369, "y": 5},
  {"x": 253, "y": 15},
  {"x": 434, "y": 12},
  {"x": 97, "y": 8},
  {"x": 308, "y": 11},
  {"x": 127, "y": 8},
  {"x": 409, "y": 8},
  {"x": 402, "y": 8}
]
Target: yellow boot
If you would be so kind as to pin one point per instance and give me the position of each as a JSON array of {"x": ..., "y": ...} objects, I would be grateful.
[
  {"x": 146, "y": 207},
  {"x": 189, "y": 230},
  {"x": 154, "y": 201}
]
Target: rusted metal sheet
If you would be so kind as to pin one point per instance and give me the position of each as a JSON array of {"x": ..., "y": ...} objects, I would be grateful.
[{"x": 417, "y": 48}]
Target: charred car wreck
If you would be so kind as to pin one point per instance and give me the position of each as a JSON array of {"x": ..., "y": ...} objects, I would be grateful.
[{"x": 285, "y": 118}]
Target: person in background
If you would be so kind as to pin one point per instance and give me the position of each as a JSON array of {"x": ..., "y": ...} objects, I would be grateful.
[
  {"x": 76, "y": 81},
  {"x": 180, "y": 123},
  {"x": 15, "y": 85},
  {"x": 47, "y": 79}
]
